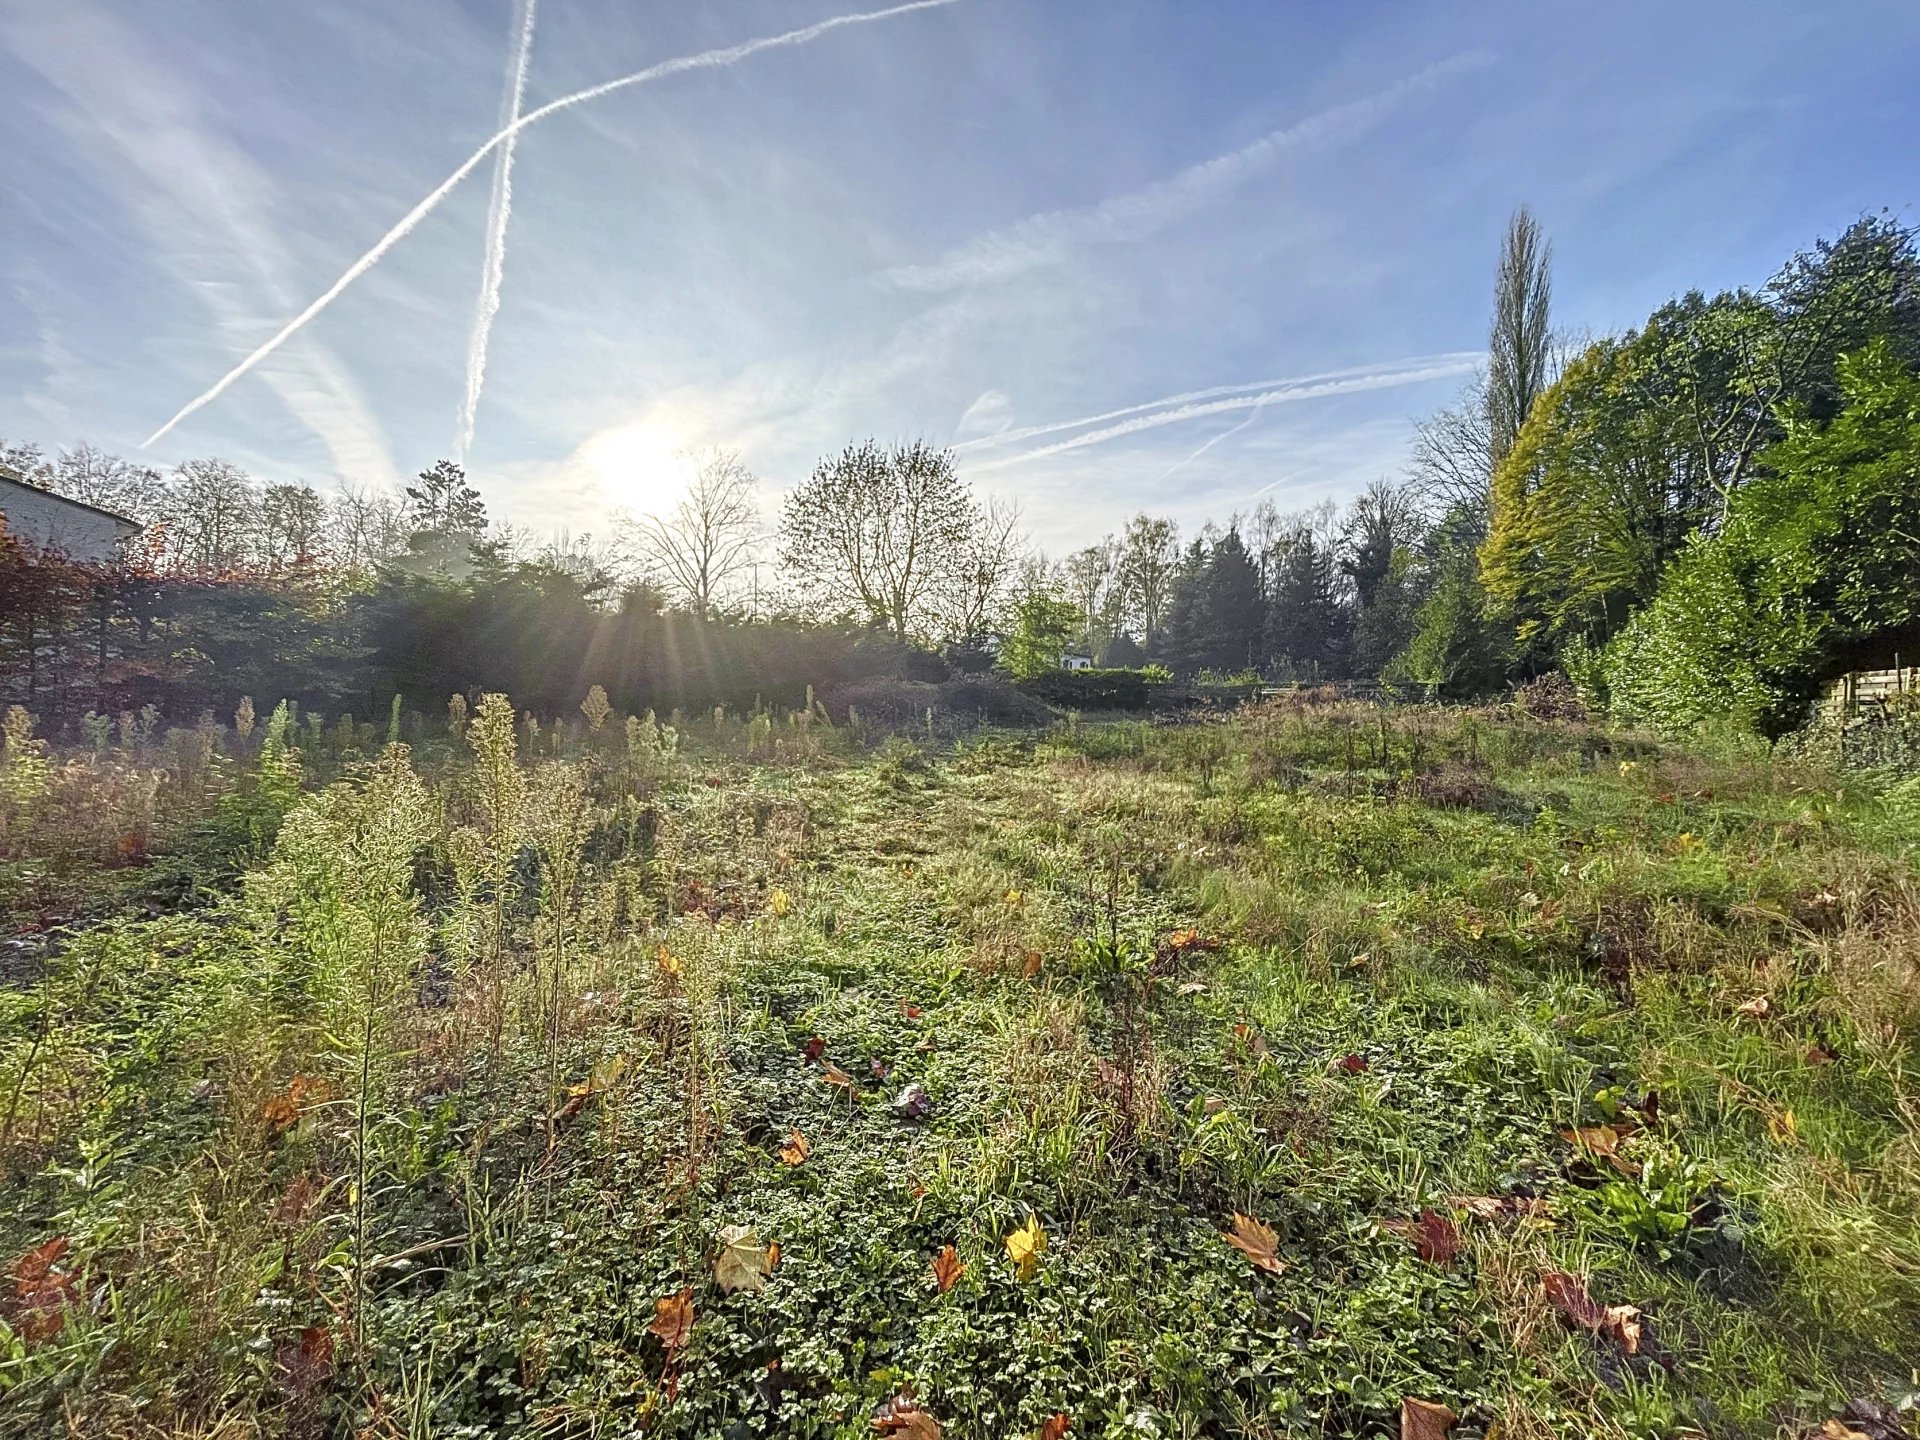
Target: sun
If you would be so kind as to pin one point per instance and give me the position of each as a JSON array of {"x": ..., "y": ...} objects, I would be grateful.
[{"x": 640, "y": 466}]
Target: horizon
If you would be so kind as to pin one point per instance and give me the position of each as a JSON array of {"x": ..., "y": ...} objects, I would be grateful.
[{"x": 1133, "y": 261}]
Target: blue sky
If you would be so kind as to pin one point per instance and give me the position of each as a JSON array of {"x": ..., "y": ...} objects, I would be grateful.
[{"x": 970, "y": 222}]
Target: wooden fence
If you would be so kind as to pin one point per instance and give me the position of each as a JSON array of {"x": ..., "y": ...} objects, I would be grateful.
[{"x": 1849, "y": 692}]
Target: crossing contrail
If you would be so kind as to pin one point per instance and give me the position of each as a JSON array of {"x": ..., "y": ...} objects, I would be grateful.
[
  {"x": 499, "y": 208},
  {"x": 1177, "y": 413},
  {"x": 1207, "y": 445},
  {"x": 705, "y": 60}
]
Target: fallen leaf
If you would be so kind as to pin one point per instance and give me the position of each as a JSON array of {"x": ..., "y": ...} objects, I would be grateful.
[
  {"x": 1603, "y": 1141},
  {"x": 305, "y": 1362},
  {"x": 1569, "y": 1296},
  {"x": 1352, "y": 1064},
  {"x": 1434, "y": 1237},
  {"x": 1251, "y": 1038},
  {"x": 1055, "y": 1426},
  {"x": 911, "y": 1012},
  {"x": 903, "y": 1416},
  {"x": 282, "y": 1112},
  {"x": 834, "y": 1075},
  {"x": 1819, "y": 1055},
  {"x": 673, "y": 1319},
  {"x": 1424, "y": 1419},
  {"x": 1831, "y": 1429},
  {"x": 912, "y": 1103},
  {"x": 1026, "y": 1245},
  {"x": 1014, "y": 897},
  {"x": 1756, "y": 1008},
  {"x": 1255, "y": 1241},
  {"x": 1781, "y": 1127},
  {"x": 779, "y": 902},
  {"x": 1194, "y": 987},
  {"x": 42, "y": 1291},
  {"x": 744, "y": 1262},
  {"x": 669, "y": 962},
  {"x": 878, "y": 1068},
  {"x": 815, "y": 1048},
  {"x": 796, "y": 1150},
  {"x": 947, "y": 1268}
]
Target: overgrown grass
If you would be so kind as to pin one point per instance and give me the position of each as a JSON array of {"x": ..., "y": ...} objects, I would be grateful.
[{"x": 347, "y": 1130}]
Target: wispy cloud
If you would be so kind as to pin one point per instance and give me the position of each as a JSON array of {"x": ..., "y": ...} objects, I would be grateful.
[
  {"x": 1050, "y": 238},
  {"x": 1180, "y": 413},
  {"x": 499, "y": 211},
  {"x": 705, "y": 60},
  {"x": 203, "y": 204}
]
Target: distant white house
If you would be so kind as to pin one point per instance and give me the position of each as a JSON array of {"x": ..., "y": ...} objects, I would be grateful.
[
  {"x": 53, "y": 523},
  {"x": 1075, "y": 660}
]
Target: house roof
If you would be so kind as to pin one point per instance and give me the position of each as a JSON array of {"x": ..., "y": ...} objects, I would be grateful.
[{"x": 12, "y": 478}]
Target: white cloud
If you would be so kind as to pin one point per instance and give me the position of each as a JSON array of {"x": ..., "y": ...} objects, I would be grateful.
[{"x": 1051, "y": 238}]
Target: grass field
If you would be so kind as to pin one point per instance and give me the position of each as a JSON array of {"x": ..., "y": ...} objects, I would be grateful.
[{"x": 765, "y": 1079}]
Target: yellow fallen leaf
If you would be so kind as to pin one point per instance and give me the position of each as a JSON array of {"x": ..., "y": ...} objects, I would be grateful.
[
  {"x": 669, "y": 962},
  {"x": 1026, "y": 1245},
  {"x": 744, "y": 1262},
  {"x": 779, "y": 902}
]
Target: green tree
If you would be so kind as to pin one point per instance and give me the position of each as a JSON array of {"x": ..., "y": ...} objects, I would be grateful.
[{"x": 1818, "y": 564}]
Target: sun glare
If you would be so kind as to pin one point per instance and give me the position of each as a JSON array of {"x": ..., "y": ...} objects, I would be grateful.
[{"x": 639, "y": 467}]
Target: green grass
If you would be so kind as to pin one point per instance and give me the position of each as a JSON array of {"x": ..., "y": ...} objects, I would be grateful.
[{"x": 1433, "y": 940}]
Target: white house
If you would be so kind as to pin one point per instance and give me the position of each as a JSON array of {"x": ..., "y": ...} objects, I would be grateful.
[
  {"x": 51, "y": 522},
  {"x": 1075, "y": 660}
]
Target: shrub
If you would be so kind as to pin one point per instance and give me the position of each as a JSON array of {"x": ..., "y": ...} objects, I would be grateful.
[{"x": 1090, "y": 689}]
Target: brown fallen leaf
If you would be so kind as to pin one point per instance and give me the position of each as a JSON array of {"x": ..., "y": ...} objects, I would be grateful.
[
  {"x": 282, "y": 1112},
  {"x": 910, "y": 1012},
  {"x": 1569, "y": 1296},
  {"x": 1424, "y": 1419},
  {"x": 1831, "y": 1429},
  {"x": 1030, "y": 963},
  {"x": 1351, "y": 1064},
  {"x": 673, "y": 1319},
  {"x": 1819, "y": 1055},
  {"x": 1756, "y": 1008},
  {"x": 1255, "y": 1241},
  {"x": 815, "y": 1048},
  {"x": 305, "y": 1363},
  {"x": 1055, "y": 1426},
  {"x": 947, "y": 1268},
  {"x": 903, "y": 1416},
  {"x": 744, "y": 1263},
  {"x": 1252, "y": 1039},
  {"x": 1603, "y": 1142},
  {"x": 796, "y": 1150},
  {"x": 835, "y": 1076},
  {"x": 1434, "y": 1237},
  {"x": 42, "y": 1291}
]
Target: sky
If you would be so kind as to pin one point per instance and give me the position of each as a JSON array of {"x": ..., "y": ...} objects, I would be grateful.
[{"x": 1123, "y": 255}]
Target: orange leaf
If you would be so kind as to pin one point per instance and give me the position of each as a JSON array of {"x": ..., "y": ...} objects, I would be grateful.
[
  {"x": 673, "y": 1319},
  {"x": 1054, "y": 1427},
  {"x": 911, "y": 1012},
  {"x": 1603, "y": 1141},
  {"x": 834, "y": 1075},
  {"x": 42, "y": 1291},
  {"x": 1255, "y": 1241},
  {"x": 947, "y": 1269},
  {"x": 1030, "y": 963},
  {"x": 1424, "y": 1419},
  {"x": 796, "y": 1149}
]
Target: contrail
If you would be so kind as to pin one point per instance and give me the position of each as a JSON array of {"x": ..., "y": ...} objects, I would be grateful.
[
  {"x": 705, "y": 60},
  {"x": 1456, "y": 360},
  {"x": 1179, "y": 465},
  {"x": 1180, "y": 413},
  {"x": 499, "y": 208}
]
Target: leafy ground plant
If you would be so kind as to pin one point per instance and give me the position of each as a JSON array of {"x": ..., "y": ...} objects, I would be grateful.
[{"x": 1320, "y": 1070}]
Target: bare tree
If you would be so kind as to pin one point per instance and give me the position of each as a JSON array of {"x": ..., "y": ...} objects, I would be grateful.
[
  {"x": 1452, "y": 465},
  {"x": 1520, "y": 340},
  {"x": 1149, "y": 564},
  {"x": 96, "y": 478},
  {"x": 215, "y": 516},
  {"x": 293, "y": 525},
  {"x": 365, "y": 527},
  {"x": 697, "y": 548},
  {"x": 981, "y": 584},
  {"x": 879, "y": 533},
  {"x": 1092, "y": 580}
]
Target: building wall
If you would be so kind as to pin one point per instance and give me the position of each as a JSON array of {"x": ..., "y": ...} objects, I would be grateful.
[{"x": 47, "y": 522}]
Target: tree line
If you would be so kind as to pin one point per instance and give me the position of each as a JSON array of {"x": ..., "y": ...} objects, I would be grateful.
[{"x": 1703, "y": 515}]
